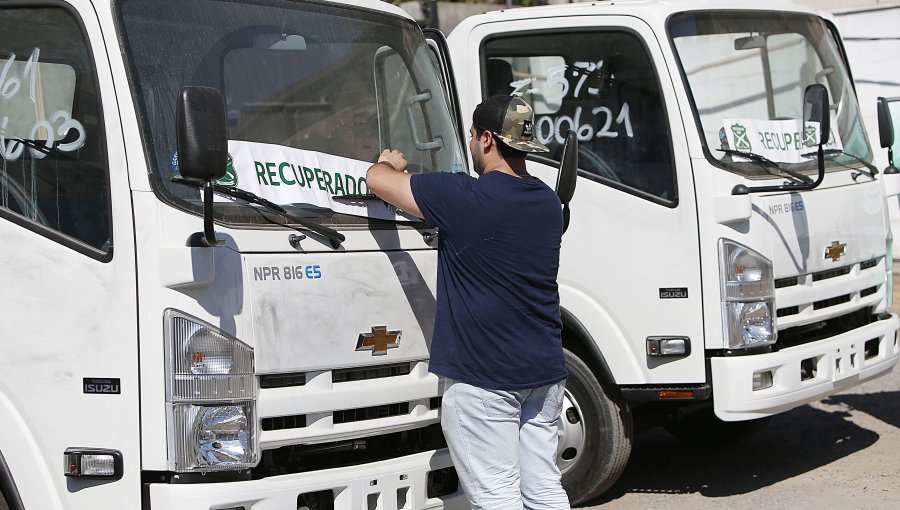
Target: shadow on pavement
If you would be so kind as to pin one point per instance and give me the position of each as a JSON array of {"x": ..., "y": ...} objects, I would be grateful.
[
  {"x": 793, "y": 443},
  {"x": 882, "y": 406}
]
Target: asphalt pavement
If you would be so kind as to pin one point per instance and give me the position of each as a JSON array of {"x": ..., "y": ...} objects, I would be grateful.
[{"x": 842, "y": 452}]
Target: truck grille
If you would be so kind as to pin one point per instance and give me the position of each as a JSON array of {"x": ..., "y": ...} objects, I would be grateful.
[
  {"x": 322, "y": 406},
  {"x": 822, "y": 304}
]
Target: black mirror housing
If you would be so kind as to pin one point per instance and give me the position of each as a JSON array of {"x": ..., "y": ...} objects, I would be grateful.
[
  {"x": 568, "y": 169},
  {"x": 815, "y": 109},
  {"x": 885, "y": 124},
  {"x": 202, "y": 134}
]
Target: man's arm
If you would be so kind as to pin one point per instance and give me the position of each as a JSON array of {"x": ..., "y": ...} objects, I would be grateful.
[{"x": 390, "y": 183}]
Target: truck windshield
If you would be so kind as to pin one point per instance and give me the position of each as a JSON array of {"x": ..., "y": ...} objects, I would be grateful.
[
  {"x": 313, "y": 93},
  {"x": 746, "y": 74}
]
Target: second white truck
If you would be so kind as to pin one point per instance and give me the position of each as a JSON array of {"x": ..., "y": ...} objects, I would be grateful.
[{"x": 710, "y": 277}]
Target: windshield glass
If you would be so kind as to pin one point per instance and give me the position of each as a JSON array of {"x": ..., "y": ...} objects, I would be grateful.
[
  {"x": 747, "y": 72},
  {"x": 313, "y": 93}
]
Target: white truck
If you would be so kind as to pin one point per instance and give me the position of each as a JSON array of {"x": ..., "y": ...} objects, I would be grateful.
[
  {"x": 262, "y": 343},
  {"x": 711, "y": 276},
  {"x": 161, "y": 351}
]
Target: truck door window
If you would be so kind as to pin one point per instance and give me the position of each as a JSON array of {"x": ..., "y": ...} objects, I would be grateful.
[
  {"x": 299, "y": 79},
  {"x": 600, "y": 84},
  {"x": 53, "y": 172}
]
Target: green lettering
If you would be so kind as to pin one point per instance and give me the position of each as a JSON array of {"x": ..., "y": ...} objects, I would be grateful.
[
  {"x": 361, "y": 184},
  {"x": 339, "y": 184},
  {"x": 327, "y": 179},
  {"x": 351, "y": 184},
  {"x": 260, "y": 173},
  {"x": 270, "y": 170},
  {"x": 297, "y": 176},
  {"x": 796, "y": 141},
  {"x": 319, "y": 178},
  {"x": 309, "y": 177},
  {"x": 281, "y": 173}
]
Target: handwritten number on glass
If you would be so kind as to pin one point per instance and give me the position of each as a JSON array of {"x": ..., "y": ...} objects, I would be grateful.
[{"x": 56, "y": 128}]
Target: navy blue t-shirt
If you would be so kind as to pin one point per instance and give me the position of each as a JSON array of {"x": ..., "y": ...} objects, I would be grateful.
[{"x": 497, "y": 324}]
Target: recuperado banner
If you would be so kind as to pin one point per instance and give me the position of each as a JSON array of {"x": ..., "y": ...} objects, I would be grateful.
[
  {"x": 782, "y": 141},
  {"x": 286, "y": 175}
]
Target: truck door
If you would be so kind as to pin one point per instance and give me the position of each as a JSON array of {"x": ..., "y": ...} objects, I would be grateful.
[
  {"x": 68, "y": 372},
  {"x": 630, "y": 264}
]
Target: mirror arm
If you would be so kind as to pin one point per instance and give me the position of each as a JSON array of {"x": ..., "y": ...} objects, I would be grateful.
[
  {"x": 209, "y": 233},
  {"x": 891, "y": 169}
]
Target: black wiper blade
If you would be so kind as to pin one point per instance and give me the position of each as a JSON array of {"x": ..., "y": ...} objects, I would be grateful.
[
  {"x": 357, "y": 196},
  {"x": 871, "y": 171},
  {"x": 797, "y": 176},
  {"x": 335, "y": 237},
  {"x": 40, "y": 147}
]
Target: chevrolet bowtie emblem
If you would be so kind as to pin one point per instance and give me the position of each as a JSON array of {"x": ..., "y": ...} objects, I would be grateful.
[
  {"x": 378, "y": 341},
  {"x": 835, "y": 251}
]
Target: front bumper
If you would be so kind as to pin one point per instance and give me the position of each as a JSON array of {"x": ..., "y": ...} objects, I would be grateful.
[
  {"x": 354, "y": 487},
  {"x": 839, "y": 362}
]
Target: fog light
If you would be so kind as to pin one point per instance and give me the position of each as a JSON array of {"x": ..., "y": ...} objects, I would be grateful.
[
  {"x": 92, "y": 463},
  {"x": 762, "y": 380}
]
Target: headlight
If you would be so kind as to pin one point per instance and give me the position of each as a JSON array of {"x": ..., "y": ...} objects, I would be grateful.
[
  {"x": 211, "y": 397},
  {"x": 748, "y": 296},
  {"x": 214, "y": 438}
]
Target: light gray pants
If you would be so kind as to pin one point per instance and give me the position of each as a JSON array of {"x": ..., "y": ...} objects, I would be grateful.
[{"x": 503, "y": 445}]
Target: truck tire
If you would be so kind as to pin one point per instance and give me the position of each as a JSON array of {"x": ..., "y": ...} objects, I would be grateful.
[
  {"x": 704, "y": 428},
  {"x": 595, "y": 433}
]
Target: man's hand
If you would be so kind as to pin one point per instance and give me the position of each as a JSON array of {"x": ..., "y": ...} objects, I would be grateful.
[
  {"x": 393, "y": 158},
  {"x": 389, "y": 181}
]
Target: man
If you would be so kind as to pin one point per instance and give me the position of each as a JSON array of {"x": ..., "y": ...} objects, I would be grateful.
[{"x": 496, "y": 343}]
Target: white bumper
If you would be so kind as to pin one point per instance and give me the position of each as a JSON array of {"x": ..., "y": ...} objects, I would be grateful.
[
  {"x": 353, "y": 486},
  {"x": 840, "y": 364}
]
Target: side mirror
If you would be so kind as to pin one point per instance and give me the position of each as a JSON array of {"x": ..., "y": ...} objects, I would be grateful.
[
  {"x": 885, "y": 126},
  {"x": 888, "y": 117},
  {"x": 202, "y": 134},
  {"x": 202, "y": 138},
  {"x": 815, "y": 109},
  {"x": 568, "y": 175}
]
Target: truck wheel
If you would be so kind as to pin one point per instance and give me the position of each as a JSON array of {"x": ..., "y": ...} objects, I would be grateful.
[
  {"x": 595, "y": 433},
  {"x": 704, "y": 428}
]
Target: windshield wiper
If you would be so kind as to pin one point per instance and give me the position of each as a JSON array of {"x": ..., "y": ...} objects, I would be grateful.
[
  {"x": 40, "y": 147},
  {"x": 335, "y": 237},
  {"x": 357, "y": 196},
  {"x": 871, "y": 171},
  {"x": 797, "y": 176}
]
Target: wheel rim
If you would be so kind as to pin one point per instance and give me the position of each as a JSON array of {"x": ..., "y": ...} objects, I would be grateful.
[{"x": 571, "y": 434}]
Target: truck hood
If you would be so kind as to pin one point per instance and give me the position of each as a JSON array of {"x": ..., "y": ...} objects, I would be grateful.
[
  {"x": 825, "y": 228},
  {"x": 321, "y": 311}
]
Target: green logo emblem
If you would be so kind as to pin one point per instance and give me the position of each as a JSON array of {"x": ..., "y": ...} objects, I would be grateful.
[
  {"x": 741, "y": 140},
  {"x": 230, "y": 178},
  {"x": 809, "y": 136}
]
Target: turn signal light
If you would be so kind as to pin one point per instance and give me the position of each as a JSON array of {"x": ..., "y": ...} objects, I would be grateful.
[{"x": 92, "y": 463}]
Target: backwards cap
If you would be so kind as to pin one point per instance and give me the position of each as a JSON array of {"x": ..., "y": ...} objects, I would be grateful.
[{"x": 511, "y": 120}]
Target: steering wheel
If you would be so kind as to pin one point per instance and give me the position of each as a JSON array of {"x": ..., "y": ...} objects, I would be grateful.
[{"x": 591, "y": 162}]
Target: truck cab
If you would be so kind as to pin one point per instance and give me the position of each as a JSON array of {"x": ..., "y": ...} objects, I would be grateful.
[
  {"x": 277, "y": 359},
  {"x": 709, "y": 278}
]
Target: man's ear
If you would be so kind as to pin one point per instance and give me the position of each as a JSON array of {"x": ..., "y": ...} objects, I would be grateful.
[{"x": 488, "y": 140}]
